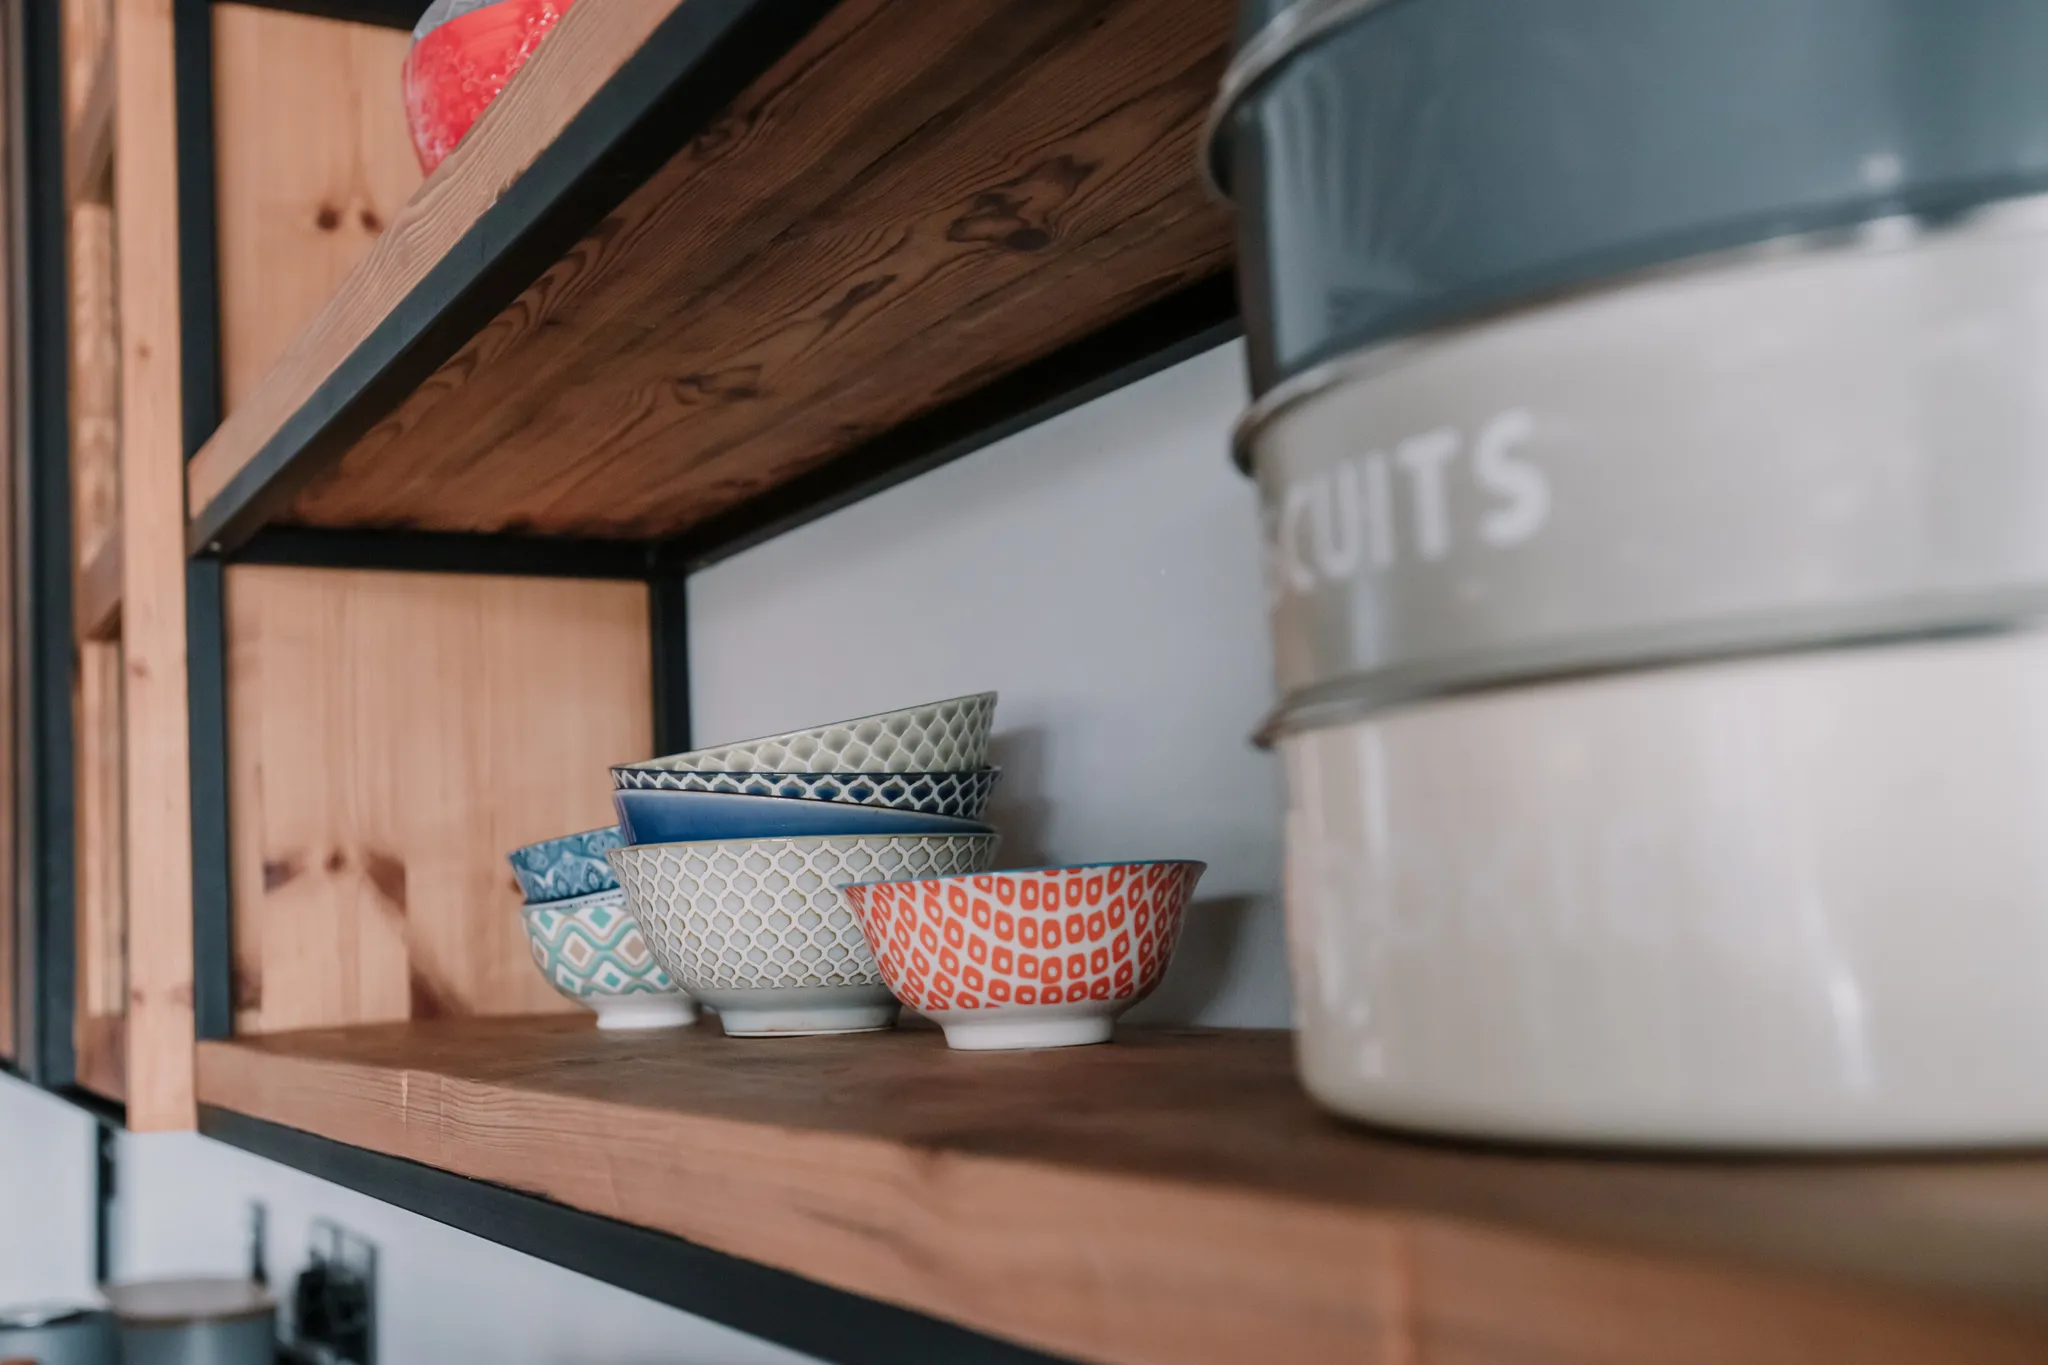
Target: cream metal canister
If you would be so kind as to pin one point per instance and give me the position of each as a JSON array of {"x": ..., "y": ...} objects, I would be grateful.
[{"x": 1666, "y": 732}]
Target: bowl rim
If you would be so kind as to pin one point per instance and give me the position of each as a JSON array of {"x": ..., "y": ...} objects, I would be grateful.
[
  {"x": 612, "y": 828},
  {"x": 572, "y": 904},
  {"x": 645, "y": 765},
  {"x": 802, "y": 730},
  {"x": 1198, "y": 864},
  {"x": 992, "y": 833}
]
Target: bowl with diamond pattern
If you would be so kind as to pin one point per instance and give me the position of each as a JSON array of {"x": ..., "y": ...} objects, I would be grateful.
[
  {"x": 1040, "y": 957},
  {"x": 755, "y": 928},
  {"x": 591, "y": 951},
  {"x": 938, "y": 736},
  {"x": 961, "y": 795},
  {"x": 569, "y": 866}
]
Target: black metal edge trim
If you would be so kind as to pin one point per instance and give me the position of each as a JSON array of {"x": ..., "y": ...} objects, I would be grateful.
[
  {"x": 213, "y": 951},
  {"x": 760, "y": 1300},
  {"x": 668, "y": 611},
  {"x": 403, "y": 14},
  {"x": 1192, "y": 319},
  {"x": 200, "y": 393},
  {"x": 200, "y": 406},
  {"x": 48, "y": 757},
  {"x": 688, "y": 71},
  {"x": 109, "y": 1112},
  {"x": 444, "y": 552},
  {"x": 106, "y": 1181}
]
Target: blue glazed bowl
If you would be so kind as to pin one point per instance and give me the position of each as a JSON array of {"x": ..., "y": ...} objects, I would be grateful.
[
  {"x": 961, "y": 795},
  {"x": 573, "y": 865},
  {"x": 681, "y": 817}
]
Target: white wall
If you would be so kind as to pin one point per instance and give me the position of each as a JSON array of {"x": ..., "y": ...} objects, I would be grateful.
[
  {"x": 1102, "y": 571},
  {"x": 46, "y": 1197},
  {"x": 443, "y": 1295}
]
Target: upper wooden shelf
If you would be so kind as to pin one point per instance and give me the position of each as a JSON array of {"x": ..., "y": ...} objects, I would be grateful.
[
  {"x": 697, "y": 250},
  {"x": 1174, "y": 1198}
]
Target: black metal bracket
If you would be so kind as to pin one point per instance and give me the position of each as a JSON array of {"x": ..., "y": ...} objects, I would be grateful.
[
  {"x": 383, "y": 13},
  {"x": 46, "y": 886},
  {"x": 756, "y": 1299},
  {"x": 200, "y": 404}
]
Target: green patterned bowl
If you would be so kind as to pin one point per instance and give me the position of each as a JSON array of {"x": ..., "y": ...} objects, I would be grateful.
[{"x": 591, "y": 951}]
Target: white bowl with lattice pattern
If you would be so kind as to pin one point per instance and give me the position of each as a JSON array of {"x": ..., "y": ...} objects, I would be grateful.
[
  {"x": 755, "y": 928},
  {"x": 937, "y": 737}
]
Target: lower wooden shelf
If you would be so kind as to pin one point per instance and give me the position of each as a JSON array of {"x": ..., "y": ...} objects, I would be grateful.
[{"x": 1174, "y": 1198}]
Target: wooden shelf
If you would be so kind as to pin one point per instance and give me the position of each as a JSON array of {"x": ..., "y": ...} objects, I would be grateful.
[
  {"x": 1175, "y": 1198},
  {"x": 697, "y": 251}
]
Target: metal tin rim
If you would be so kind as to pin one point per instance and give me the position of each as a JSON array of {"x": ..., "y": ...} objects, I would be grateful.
[
  {"x": 1892, "y": 232},
  {"x": 1285, "y": 34},
  {"x": 1345, "y": 700}
]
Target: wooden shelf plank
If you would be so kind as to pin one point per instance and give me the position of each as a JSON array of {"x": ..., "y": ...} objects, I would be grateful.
[
  {"x": 1175, "y": 1198},
  {"x": 908, "y": 202}
]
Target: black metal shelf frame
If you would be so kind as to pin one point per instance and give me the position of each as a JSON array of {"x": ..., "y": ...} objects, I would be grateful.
[{"x": 696, "y": 62}]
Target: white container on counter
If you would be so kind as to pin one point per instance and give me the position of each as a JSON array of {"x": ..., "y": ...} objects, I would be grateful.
[{"x": 1783, "y": 902}]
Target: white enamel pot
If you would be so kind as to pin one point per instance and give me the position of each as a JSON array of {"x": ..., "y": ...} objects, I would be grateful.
[{"x": 1796, "y": 901}]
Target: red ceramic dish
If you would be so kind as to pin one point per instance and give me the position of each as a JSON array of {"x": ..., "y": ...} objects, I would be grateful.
[
  {"x": 1041, "y": 958},
  {"x": 463, "y": 52}
]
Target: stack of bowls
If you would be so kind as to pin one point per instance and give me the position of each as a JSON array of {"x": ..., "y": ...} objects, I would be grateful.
[
  {"x": 583, "y": 940},
  {"x": 732, "y": 857}
]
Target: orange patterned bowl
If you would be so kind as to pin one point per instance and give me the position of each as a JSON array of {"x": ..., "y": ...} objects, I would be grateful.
[{"x": 1044, "y": 957}]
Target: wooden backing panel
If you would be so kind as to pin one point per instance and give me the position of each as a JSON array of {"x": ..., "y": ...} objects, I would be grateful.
[
  {"x": 98, "y": 592},
  {"x": 88, "y": 31},
  {"x": 95, "y": 383},
  {"x": 917, "y": 200},
  {"x": 89, "y": 136},
  {"x": 159, "y": 776},
  {"x": 313, "y": 160},
  {"x": 1174, "y": 1198},
  {"x": 100, "y": 944},
  {"x": 391, "y": 737},
  {"x": 581, "y": 52}
]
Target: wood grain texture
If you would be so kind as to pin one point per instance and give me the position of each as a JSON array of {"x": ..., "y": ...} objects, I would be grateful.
[
  {"x": 1174, "y": 1198},
  {"x": 390, "y": 737},
  {"x": 100, "y": 942},
  {"x": 158, "y": 767},
  {"x": 98, "y": 592},
  {"x": 918, "y": 199},
  {"x": 95, "y": 382},
  {"x": 580, "y": 54},
  {"x": 88, "y": 27},
  {"x": 312, "y": 162},
  {"x": 89, "y": 136}
]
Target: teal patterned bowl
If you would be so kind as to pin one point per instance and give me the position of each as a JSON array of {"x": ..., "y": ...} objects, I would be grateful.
[
  {"x": 573, "y": 865},
  {"x": 591, "y": 951}
]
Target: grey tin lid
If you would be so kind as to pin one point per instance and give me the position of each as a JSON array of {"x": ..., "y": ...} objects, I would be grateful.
[{"x": 1401, "y": 164}]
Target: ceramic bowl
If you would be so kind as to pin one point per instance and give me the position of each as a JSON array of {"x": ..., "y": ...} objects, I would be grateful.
[
  {"x": 463, "y": 52},
  {"x": 754, "y": 928},
  {"x": 573, "y": 865},
  {"x": 659, "y": 817},
  {"x": 590, "y": 950},
  {"x": 963, "y": 795},
  {"x": 939, "y": 736},
  {"x": 1047, "y": 957}
]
